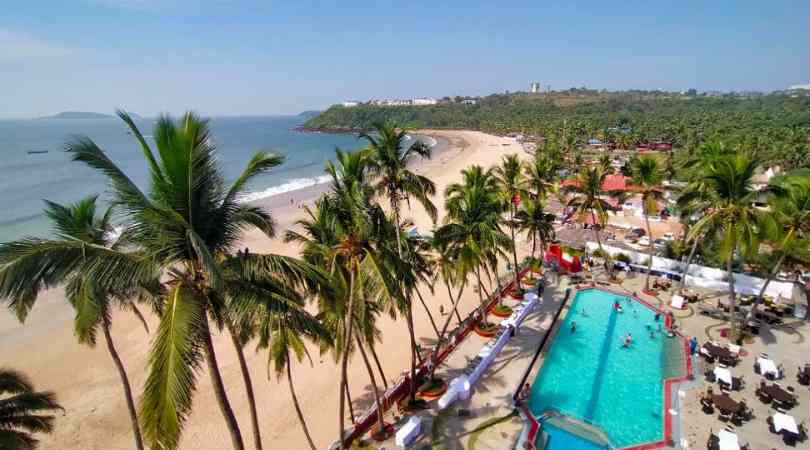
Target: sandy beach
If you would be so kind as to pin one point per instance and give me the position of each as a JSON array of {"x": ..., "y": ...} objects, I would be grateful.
[{"x": 88, "y": 386}]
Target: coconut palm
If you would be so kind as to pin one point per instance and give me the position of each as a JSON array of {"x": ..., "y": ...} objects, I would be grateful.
[
  {"x": 23, "y": 411},
  {"x": 587, "y": 203},
  {"x": 72, "y": 224},
  {"x": 344, "y": 235},
  {"x": 540, "y": 175},
  {"x": 536, "y": 223},
  {"x": 692, "y": 201},
  {"x": 512, "y": 186},
  {"x": 388, "y": 165},
  {"x": 272, "y": 307},
  {"x": 731, "y": 216},
  {"x": 647, "y": 178},
  {"x": 790, "y": 212},
  {"x": 472, "y": 223},
  {"x": 183, "y": 224}
]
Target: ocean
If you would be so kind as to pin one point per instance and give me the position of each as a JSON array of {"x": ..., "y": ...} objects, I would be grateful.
[{"x": 28, "y": 178}]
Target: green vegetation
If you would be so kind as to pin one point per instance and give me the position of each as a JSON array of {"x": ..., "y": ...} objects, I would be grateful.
[
  {"x": 177, "y": 254},
  {"x": 775, "y": 127}
]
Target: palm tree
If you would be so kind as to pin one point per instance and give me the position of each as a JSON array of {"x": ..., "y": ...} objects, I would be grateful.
[
  {"x": 389, "y": 165},
  {"x": 344, "y": 235},
  {"x": 587, "y": 203},
  {"x": 647, "y": 177},
  {"x": 74, "y": 223},
  {"x": 540, "y": 175},
  {"x": 509, "y": 176},
  {"x": 692, "y": 202},
  {"x": 790, "y": 212},
  {"x": 472, "y": 224},
  {"x": 21, "y": 411},
  {"x": 731, "y": 216},
  {"x": 536, "y": 223},
  {"x": 273, "y": 307},
  {"x": 184, "y": 224}
]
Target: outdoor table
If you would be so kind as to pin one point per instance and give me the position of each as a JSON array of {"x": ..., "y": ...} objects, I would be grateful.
[
  {"x": 726, "y": 404},
  {"x": 776, "y": 392},
  {"x": 785, "y": 422},
  {"x": 715, "y": 351},
  {"x": 723, "y": 374},
  {"x": 767, "y": 366},
  {"x": 728, "y": 440}
]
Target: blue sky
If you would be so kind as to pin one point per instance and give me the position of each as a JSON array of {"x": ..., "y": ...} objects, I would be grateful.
[{"x": 267, "y": 57}]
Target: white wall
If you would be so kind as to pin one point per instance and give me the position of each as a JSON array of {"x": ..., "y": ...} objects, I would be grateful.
[{"x": 709, "y": 277}]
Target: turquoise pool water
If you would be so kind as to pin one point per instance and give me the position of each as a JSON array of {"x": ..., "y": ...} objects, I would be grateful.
[
  {"x": 559, "y": 438},
  {"x": 588, "y": 375}
]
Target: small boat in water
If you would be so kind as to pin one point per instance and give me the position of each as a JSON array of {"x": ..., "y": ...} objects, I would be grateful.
[{"x": 37, "y": 152}]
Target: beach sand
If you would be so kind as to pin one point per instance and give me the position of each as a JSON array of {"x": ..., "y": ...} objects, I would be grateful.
[{"x": 88, "y": 387}]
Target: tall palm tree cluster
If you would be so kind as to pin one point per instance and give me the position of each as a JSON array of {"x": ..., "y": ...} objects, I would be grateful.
[{"x": 171, "y": 248}]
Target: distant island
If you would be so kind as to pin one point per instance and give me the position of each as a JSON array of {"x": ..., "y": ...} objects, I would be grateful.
[{"x": 84, "y": 115}]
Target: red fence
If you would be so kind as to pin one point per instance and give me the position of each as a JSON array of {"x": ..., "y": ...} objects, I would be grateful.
[{"x": 402, "y": 387}]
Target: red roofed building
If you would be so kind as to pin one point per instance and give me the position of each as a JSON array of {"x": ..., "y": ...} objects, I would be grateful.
[{"x": 613, "y": 182}]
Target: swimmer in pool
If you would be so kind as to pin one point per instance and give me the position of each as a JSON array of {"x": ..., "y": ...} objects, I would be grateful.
[
  {"x": 573, "y": 326},
  {"x": 628, "y": 340}
]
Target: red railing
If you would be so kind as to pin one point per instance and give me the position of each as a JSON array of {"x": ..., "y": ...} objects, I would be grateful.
[{"x": 402, "y": 387}]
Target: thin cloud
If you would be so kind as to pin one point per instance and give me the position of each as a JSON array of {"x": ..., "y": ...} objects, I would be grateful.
[{"x": 14, "y": 45}]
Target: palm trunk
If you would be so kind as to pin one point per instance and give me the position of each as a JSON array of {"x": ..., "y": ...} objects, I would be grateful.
[
  {"x": 412, "y": 336},
  {"x": 688, "y": 262},
  {"x": 608, "y": 266},
  {"x": 240, "y": 355},
  {"x": 450, "y": 293},
  {"x": 534, "y": 245},
  {"x": 409, "y": 311},
  {"x": 379, "y": 366},
  {"x": 444, "y": 329},
  {"x": 771, "y": 276},
  {"x": 514, "y": 244},
  {"x": 732, "y": 301},
  {"x": 427, "y": 310},
  {"x": 347, "y": 333},
  {"x": 380, "y": 421},
  {"x": 219, "y": 390},
  {"x": 133, "y": 415},
  {"x": 297, "y": 406},
  {"x": 650, "y": 253},
  {"x": 349, "y": 401}
]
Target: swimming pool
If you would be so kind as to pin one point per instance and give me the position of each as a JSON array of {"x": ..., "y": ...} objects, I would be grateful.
[{"x": 588, "y": 375}]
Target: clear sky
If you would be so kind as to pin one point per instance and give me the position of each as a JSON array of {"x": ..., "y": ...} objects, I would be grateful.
[{"x": 246, "y": 57}]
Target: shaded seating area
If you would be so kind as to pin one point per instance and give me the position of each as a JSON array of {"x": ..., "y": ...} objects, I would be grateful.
[
  {"x": 725, "y": 440},
  {"x": 767, "y": 368},
  {"x": 730, "y": 410},
  {"x": 713, "y": 352},
  {"x": 777, "y": 395},
  {"x": 785, "y": 425}
]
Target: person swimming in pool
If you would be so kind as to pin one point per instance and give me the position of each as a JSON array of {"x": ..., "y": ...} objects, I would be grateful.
[
  {"x": 573, "y": 326},
  {"x": 628, "y": 340},
  {"x": 617, "y": 306}
]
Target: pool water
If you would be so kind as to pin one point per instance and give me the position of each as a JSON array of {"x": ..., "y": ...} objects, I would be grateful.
[
  {"x": 559, "y": 438},
  {"x": 588, "y": 375}
]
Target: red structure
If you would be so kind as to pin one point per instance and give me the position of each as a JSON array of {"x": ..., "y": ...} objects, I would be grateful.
[{"x": 555, "y": 254}]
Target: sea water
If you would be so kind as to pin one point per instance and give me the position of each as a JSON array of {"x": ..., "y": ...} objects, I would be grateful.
[{"x": 28, "y": 178}]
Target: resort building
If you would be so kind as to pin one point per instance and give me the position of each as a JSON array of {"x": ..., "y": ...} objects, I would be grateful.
[
  {"x": 424, "y": 101},
  {"x": 350, "y": 103}
]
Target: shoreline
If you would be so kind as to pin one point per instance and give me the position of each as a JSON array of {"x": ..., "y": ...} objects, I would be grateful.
[
  {"x": 307, "y": 194},
  {"x": 87, "y": 383}
]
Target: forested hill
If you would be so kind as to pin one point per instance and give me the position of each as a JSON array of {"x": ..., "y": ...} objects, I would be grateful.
[{"x": 776, "y": 126}]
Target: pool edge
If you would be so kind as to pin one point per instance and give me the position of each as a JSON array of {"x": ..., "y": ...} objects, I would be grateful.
[{"x": 532, "y": 425}]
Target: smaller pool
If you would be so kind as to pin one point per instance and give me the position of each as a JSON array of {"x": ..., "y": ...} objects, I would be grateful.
[{"x": 564, "y": 439}]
